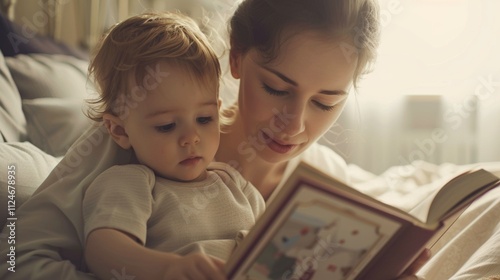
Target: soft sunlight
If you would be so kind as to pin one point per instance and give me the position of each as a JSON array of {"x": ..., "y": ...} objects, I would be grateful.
[{"x": 435, "y": 47}]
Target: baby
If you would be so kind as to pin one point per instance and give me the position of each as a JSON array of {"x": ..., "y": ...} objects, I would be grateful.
[{"x": 176, "y": 213}]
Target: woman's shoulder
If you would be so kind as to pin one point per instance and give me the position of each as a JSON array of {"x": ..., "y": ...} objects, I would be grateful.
[{"x": 90, "y": 155}]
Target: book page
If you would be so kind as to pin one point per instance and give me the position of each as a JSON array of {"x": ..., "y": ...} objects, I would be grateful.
[
  {"x": 318, "y": 237},
  {"x": 458, "y": 192},
  {"x": 421, "y": 211}
]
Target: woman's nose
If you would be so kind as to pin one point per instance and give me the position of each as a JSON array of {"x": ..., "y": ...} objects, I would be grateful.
[{"x": 290, "y": 120}]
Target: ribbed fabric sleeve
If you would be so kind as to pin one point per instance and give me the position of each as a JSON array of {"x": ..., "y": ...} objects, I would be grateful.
[{"x": 120, "y": 198}]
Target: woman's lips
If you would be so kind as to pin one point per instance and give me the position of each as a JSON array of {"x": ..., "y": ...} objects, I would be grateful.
[{"x": 276, "y": 146}]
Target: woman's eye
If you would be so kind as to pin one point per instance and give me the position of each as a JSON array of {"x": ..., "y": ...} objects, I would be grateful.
[
  {"x": 165, "y": 128},
  {"x": 324, "y": 107},
  {"x": 273, "y": 91},
  {"x": 204, "y": 120}
]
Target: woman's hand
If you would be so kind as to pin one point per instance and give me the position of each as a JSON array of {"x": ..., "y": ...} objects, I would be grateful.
[
  {"x": 195, "y": 266},
  {"x": 410, "y": 272}
]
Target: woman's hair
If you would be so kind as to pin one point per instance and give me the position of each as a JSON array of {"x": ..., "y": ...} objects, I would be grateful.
[
  {"x": 260, "y": 24},
  {"x": 132, "y": 49}
]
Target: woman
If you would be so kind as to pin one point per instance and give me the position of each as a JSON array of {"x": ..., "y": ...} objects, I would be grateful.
[{"x": 296, "y": 63}]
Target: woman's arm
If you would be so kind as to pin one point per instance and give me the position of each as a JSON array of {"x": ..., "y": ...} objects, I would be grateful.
[{"x": 112, "y": 254}]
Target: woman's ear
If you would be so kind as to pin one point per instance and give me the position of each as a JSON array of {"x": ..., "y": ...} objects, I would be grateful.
[
  {"x": 235, "y": 57},
  {"x": 117, "y": 131}
]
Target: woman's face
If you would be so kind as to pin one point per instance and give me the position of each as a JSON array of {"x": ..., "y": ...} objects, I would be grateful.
[{"x": 287, "y": 104}]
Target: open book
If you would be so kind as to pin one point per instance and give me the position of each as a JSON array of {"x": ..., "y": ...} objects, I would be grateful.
[{"x": 317, "y": 227}]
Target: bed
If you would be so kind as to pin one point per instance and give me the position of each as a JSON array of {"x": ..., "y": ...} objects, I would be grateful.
[{"x": 43, "y": 85}]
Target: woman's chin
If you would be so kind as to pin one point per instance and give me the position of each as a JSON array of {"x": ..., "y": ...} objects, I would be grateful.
[{"x": 277, "y": 155}]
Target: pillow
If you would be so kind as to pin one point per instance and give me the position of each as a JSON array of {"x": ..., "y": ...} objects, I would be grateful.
[
  {"x": 12, "y": 121},
  {"x": 53, "y": 124},
  {"x": 32, "y": 166},
  {"x": 14, "y": 41},
  {"x": 43, "y": 75}
]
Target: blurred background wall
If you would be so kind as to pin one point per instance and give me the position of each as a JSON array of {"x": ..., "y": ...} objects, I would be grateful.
[{"x": 434, "y": 94}]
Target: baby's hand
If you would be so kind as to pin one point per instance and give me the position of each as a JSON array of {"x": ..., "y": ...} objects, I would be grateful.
[{"x": 195, "y": 266}]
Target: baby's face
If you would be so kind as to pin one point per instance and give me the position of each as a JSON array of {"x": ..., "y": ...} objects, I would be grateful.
[{"x": 174, "y": 128}]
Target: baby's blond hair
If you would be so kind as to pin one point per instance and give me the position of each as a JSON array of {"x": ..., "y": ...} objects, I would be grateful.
[{"x": 133, "y": 47}]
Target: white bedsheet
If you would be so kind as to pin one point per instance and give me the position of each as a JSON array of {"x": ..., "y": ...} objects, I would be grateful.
[{"x": 470, "y": 249}]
